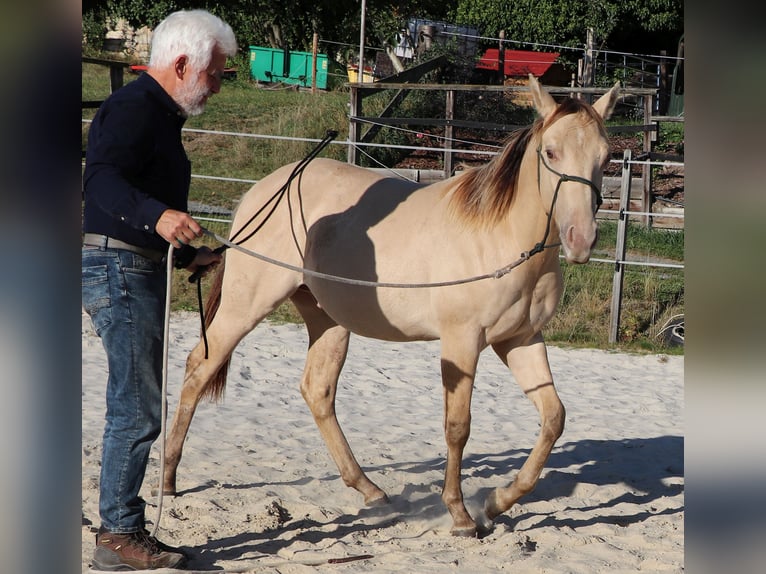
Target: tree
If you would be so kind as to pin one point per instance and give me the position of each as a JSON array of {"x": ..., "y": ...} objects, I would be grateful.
[
  {"x": 279, "y": 24},
  {"x": 616, "y": 23}
]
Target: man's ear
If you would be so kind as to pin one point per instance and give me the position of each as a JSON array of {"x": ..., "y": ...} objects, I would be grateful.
[{"x": 180, "y": 66}]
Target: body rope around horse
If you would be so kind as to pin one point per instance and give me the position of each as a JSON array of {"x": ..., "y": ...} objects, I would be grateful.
[{"x": 364, "y": 283}]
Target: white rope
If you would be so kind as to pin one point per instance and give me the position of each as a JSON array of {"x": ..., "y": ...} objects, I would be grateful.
[{"x": 164, "y": 416}]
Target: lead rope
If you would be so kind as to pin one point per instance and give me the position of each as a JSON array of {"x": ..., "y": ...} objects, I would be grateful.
[{"x": 164, "y": 415}]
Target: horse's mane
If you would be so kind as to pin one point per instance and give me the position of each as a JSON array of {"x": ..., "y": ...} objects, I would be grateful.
[{"x": 483, "y": 194}]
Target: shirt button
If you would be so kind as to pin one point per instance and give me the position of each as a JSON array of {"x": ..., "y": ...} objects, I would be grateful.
[{"x": 146, "y": 227}]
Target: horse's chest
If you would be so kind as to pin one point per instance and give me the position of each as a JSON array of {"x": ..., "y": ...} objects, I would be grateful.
[{"x": 528, "y": 311}]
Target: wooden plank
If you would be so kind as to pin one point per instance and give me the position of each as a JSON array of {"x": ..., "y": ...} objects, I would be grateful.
[
  {"x": 631, "y": 129},
  {"x": 677, "y": 119},
  {"x": 611, "y": 186},
  {"x": 105, "y": 62},
  {"x": 554, "y": 90},
  {"x": 416, "y": 72}
]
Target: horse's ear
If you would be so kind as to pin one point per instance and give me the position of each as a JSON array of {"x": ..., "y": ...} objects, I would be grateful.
[
  {"x": 605, "y": 104},
  {"x": 542, "y": 100}
]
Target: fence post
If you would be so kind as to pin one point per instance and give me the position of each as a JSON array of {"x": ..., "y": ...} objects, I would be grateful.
[
  {"x": 646, "y": 171},
  {"x": 619, "y": 250},
  {"x": 116, "y": 80},
  {"x": 449, "y": 132},
  {"x": 354, "y": 126}
]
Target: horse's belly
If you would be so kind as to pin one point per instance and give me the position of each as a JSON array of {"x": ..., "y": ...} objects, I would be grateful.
[{"x": 367, "y": 312}]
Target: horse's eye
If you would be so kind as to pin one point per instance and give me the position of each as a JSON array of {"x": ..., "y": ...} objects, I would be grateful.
[{"x": 550, "y": 154}]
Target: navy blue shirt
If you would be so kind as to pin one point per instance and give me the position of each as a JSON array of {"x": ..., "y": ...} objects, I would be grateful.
[{"x": 135, "y": 165}]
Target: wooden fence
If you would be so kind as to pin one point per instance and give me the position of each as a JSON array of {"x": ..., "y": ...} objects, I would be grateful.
[{"x": 357, "y": 119}]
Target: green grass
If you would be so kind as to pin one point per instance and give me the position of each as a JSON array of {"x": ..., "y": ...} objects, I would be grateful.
[
  {"x": 651, "y": 295},
  {"x": 667, "y": 244}
]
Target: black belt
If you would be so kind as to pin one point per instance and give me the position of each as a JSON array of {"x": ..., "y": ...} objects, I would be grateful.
[{"x": 105, "y": 242}]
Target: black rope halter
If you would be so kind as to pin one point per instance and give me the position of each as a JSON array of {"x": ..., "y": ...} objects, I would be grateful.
[{"x": 563, "y": 177}]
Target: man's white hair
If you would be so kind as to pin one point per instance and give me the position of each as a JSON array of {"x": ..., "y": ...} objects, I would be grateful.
[{"x": 191, "y": 33}]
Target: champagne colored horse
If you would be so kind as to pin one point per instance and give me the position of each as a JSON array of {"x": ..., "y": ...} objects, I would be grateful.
[{"x": 348, "y": 222}]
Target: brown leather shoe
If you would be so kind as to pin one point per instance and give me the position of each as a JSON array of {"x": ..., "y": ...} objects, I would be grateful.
[{"x": 134, "y": 551}]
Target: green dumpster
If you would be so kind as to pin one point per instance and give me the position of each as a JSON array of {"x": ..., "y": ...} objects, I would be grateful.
[{"x": 272, "y": 65}]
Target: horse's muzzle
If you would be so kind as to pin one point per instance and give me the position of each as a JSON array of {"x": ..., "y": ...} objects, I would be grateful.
[{"x": 578, "y": 243}]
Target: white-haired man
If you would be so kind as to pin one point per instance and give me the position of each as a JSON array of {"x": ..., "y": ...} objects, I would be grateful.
[{"x": 136, "y": 186}]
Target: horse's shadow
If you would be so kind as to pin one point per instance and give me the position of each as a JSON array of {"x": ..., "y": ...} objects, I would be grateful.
[{"x": 643, "y": 464}]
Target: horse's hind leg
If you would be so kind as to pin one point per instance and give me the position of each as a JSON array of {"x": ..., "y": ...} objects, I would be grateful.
[
  {"x": 328, "y": 345},
  {"x": 529, "y": 365}
]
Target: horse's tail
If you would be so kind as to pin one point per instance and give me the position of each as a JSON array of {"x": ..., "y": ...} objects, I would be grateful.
[{"x": 217, "y": 384}]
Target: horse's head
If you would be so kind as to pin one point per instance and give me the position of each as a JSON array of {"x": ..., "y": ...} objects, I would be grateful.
[{"x": 572, "y": 152}]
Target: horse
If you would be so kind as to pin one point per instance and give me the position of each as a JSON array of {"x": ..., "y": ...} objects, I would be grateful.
[{"x": 382, "y": 257}]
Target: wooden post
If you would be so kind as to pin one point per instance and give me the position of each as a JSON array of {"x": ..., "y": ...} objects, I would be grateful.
[
  {"x": 360, "y": 69},
  {"x": 646, "y": 171},
  {"x": 116, "y": 79},
  {"x": 664, "y": 94},
  {"x": 501, "y": 59},
  {"x": 449, "y": 132},
  {"x": 587, "y": 69},
  {"x": 314, "y": 47},
  {"x": 619, "y": 250},
  {"x": 354, "y": 127}
]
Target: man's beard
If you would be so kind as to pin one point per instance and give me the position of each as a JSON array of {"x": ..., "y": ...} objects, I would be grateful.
[{"x": 192, "y": 98}]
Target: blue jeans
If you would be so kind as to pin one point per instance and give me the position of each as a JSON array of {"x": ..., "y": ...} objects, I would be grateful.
[{"x": 124, "y": 294}]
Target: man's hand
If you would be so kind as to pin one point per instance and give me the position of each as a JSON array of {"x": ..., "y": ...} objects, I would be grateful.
[
  {"x": 204, "y": 261},
  {"x": 177, "y": 228}
]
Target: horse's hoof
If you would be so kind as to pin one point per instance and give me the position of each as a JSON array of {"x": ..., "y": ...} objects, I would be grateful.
[
  {"x": 484, "y": 526},
  {"x": 467, "y": 532}
]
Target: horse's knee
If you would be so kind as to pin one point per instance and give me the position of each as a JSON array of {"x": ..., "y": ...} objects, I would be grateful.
[{"x": 319, "y": 398}]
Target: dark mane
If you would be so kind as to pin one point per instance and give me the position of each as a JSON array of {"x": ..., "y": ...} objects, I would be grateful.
[{"x": 483, "y": 194}]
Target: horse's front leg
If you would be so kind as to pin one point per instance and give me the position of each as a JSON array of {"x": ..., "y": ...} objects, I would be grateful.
[
  {"x": 458, "y": 368},
  {"x": 529, "y": 365},
  {"x": 328, "y": 346}
]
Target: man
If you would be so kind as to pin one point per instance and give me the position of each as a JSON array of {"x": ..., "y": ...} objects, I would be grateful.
[{"x": 136, "y": 185}]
